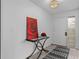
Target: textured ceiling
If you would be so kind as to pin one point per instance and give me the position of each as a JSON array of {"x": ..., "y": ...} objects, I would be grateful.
[{"x": 65, "y": 5}]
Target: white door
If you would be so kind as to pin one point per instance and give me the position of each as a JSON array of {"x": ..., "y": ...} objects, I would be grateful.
[{"x": 71, "y": 32}]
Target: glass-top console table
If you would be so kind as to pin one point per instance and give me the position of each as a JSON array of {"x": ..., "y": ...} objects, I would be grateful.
[{"x": 39, "y": 45}]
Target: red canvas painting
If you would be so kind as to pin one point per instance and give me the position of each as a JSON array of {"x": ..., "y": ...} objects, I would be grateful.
[{"x": 32, "y": 29}]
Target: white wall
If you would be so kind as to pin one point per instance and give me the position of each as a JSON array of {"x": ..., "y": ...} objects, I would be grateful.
[
  {"x": 13, "y": 27},
  {"x": 60, "y": 26}
]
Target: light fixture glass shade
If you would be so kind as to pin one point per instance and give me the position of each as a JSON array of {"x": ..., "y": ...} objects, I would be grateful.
[{"x": 54, "y": 3}]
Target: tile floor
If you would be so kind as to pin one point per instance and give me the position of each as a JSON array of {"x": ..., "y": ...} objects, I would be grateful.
[{"x": 73, "y": 53}]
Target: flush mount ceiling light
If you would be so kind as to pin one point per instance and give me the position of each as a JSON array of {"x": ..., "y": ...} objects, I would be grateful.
[{"x": 54, "y": 3}]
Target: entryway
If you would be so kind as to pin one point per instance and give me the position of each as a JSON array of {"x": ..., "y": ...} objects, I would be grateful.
[{"x": 71, "y": 33}]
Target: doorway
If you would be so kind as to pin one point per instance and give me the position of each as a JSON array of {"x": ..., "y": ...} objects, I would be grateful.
[{"x": 71, "y": 33}]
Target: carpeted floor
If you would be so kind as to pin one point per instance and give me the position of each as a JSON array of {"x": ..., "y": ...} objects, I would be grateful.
[{"x": 60, "y": 52}]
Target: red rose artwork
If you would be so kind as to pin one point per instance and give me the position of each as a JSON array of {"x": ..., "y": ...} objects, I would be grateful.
[{"x": 32, "y": 29}]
